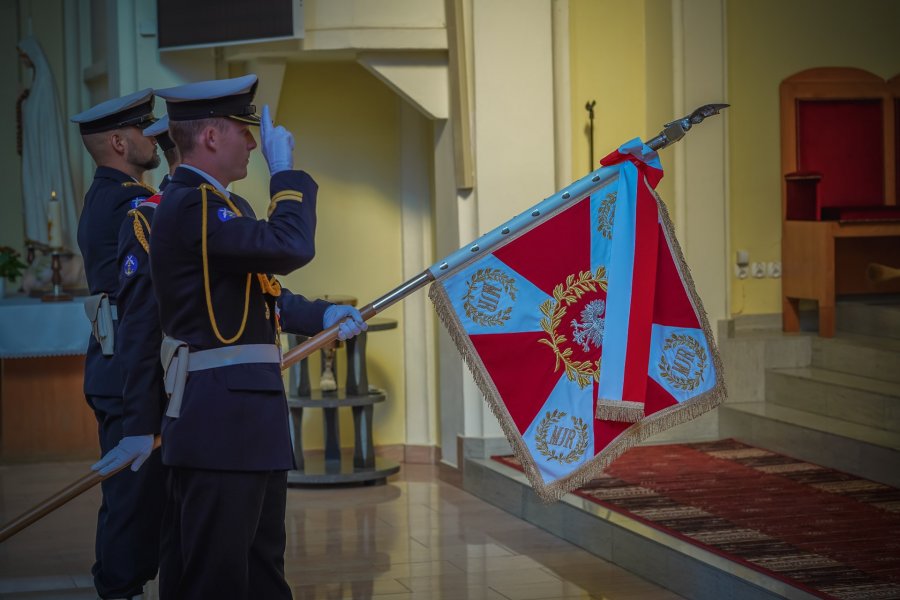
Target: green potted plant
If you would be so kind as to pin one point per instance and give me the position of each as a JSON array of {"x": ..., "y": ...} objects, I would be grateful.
[{"x": 10, "y": 267}]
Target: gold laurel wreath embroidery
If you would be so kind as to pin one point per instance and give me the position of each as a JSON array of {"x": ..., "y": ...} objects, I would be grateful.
[
  {"x": 481, "y": 276},
  {"x": 552, "y": 418},
  {"x": 605, "y": 215},
  {"x": 583, "y": 372},
  {"x": 665, "y": 369}
]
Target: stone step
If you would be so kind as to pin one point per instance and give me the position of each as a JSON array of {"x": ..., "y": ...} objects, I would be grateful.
[
  {"x": 851, "y": 398},
  {"x": 866, "y": 356},
  {"x": 664, "y": 559},
  {"x": 878, "y": 317},
  {"x": 863, "y": 451}
]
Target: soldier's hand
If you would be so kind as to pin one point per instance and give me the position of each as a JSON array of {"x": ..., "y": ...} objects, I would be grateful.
[
  {"x": 277, "y": 144},
  {"x": 351, "y": 322},
  {"x": 133, "y": 448}
]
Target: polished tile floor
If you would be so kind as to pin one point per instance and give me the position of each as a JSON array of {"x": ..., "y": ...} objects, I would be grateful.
[{"x": 418, "y": 537}]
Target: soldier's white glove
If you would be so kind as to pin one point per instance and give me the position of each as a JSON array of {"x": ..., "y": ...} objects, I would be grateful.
[
  {"x": 351, "y": 322},
  {"x": 277, "y": 144},
  {"x": 133, "y": 448}
]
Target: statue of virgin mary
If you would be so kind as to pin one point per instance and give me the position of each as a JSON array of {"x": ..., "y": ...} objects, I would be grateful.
[{"x": 45, "y": 166}]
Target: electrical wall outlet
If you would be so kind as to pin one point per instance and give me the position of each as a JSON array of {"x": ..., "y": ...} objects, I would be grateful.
[
  {"x": 758, "y": 269},
  {"x": 773, "y": 269},
  {"x": 742, "y": 264}
]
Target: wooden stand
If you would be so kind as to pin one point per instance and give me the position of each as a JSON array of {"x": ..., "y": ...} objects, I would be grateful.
[
  {"x": 337, "y": 466},
  {"x": 43, "y": 412}
]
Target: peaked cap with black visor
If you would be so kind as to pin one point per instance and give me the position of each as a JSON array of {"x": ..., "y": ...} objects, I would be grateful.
[
  {"x": 133, "y": 110},
  {"x": 225, "y": 98},
  {"x": 160, "y": 131}
]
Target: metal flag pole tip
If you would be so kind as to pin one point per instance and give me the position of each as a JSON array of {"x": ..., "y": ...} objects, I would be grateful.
[{"x": 675, "y": 130}]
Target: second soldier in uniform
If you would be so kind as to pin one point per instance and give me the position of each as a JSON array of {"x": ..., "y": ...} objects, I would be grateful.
[{"x": 127, "y": 541}]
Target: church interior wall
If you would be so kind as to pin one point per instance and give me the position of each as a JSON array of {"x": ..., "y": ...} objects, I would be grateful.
[
  {"x": 346, "y": 127},
  {"x": 608, "y": 61},
  {"x": 769, "y": 40},
  {"x": 659, "y": 83}
]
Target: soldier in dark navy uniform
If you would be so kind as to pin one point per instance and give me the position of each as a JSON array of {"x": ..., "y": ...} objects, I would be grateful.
[
  {"x": 128, "y": 521},
  {"x": 225, "y": 435}
]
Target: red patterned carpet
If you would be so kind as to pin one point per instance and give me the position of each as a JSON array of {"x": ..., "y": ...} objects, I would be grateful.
[{"x": 832, "y": 534}]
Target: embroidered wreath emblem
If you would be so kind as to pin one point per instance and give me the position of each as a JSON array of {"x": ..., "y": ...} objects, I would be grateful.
[
  {"x": 606, "y": 214},
  {"x": 475, "y": 306},
  {"x": 543, "y": 446},
  {"x": 674, "y": 372},
  {"x": 582, "y": 372}
]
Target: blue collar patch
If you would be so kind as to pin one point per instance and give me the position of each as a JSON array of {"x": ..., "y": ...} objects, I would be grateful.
[{"x": 130, "y": 266}]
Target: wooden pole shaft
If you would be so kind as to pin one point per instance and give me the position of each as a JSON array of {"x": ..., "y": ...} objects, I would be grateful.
[
  {"x": 46, "y": 507},
  {"x": 324, "y": 338}
]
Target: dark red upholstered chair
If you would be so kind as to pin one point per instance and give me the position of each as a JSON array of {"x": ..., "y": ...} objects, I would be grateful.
[{"x": 839, "y": 155}]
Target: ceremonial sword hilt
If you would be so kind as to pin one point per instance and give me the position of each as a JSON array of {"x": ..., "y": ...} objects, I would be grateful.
[{"x": 674, "y": 131}]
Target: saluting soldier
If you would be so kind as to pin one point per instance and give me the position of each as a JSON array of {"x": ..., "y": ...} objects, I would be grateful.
[
  {"x": 127, "y": 539},
  {"x": 160, "y": 132},
  {"x": 225, "y": 435}
]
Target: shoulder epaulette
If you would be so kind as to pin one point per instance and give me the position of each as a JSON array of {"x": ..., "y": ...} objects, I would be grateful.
[
  {"x": 149, "y": 188},
  {"x": 209, "y": 188}
]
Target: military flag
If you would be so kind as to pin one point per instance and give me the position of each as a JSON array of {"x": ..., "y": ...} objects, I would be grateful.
[{"x": 582, "y": 328}]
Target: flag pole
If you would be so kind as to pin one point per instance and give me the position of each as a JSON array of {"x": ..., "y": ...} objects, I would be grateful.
[
  {"x": 671, "y": 133},
  {"x": 39, "y": 511}
]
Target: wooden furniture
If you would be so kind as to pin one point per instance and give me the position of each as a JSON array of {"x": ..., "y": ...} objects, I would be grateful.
[
  {"x": 43, "y": 413},
  {"x": 334, "y": 466},
  {"x": 839, "y": 158}
]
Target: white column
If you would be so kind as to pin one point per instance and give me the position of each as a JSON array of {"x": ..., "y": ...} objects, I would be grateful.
[
  {"x": 451, "y": 371},
  {"x": 418, "y": 315},
  {"x": 702, "y": 157}
]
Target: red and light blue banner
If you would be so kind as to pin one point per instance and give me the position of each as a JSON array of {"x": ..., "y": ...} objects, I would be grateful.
[{"x": 583, "y": 330}]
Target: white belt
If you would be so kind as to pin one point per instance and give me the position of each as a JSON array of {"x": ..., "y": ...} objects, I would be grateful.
[
  {"x": 178, "y": 361},
  {"x": 101, "y": 313},
  {"x": 240, "y": 354}
]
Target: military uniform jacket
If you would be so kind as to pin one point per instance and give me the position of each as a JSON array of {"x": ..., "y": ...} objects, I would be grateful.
[
  {"x": 111, "y": 195},
  {"x": 139, "y": 333},
  {"x": 232, "y": 417}
]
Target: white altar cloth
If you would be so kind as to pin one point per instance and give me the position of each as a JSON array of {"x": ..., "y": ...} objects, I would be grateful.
[{"x": 31, "y": 328}]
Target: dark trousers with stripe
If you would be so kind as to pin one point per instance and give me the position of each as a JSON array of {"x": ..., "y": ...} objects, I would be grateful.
[
  {"x": 127, "y": 542},
  {"x": 223, "y": 535}
]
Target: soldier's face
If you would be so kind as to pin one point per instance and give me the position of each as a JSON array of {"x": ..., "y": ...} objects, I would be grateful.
[
  {"x": 235, "y": 153},
  {"x": 140, "y": 150}
]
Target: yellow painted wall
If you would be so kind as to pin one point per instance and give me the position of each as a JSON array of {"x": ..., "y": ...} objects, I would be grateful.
[
  {"x": 607, "y": 61},
  {"x": 620, "y": 56},
  {"x": 769, "y": 40},
  {"x": 346, "y": 129},
  {"x": 660, "y": 101}
]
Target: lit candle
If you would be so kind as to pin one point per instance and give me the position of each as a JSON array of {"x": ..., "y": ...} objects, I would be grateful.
[{"x": 54, "y": 222}]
